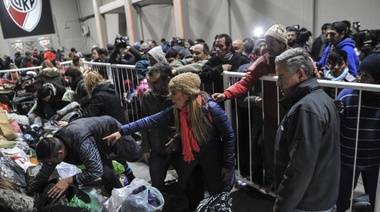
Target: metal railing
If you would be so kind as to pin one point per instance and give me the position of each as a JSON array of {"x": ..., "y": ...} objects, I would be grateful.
[{"x": 323, "y": 83}]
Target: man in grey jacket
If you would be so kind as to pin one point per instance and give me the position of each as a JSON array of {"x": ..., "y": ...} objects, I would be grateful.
[{"x": 307, "y": 159}]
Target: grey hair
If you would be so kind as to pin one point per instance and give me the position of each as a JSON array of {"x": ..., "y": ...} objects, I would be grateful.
[{"x": 296, "y": 59}]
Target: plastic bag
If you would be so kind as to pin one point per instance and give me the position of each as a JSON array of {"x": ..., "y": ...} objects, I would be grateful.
[
  {"x": 118, "y": 195},
  {"x": 85, "y": 200},
  {"x": 66, "y": 170},
  {"x": 221, "y": 202},
  {"x": 12, "y": 172},
  {"x": 143, "y": 199}
]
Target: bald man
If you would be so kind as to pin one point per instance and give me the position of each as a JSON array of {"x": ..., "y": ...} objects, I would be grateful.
[{"x": 238, "y": 45}]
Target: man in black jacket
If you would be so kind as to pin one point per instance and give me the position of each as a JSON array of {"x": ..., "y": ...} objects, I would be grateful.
[
  {"x": 79, "y": 142},
  {"x": 307, "y": 160},
  {"x": 226, "y": 59}
]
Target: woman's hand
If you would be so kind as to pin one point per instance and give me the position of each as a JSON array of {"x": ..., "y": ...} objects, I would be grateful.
[{"x": 111, "y": 139}]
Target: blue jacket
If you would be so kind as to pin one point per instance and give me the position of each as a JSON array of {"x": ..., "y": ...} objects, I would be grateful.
[
  {"x": 348, "y": 46},
  {"x": 224, "y": 137}
]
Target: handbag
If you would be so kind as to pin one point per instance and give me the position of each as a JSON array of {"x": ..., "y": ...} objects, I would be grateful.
[{"x": 126, "y": 149}]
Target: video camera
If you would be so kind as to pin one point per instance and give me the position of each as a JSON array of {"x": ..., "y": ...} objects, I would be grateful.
[
  {"x": 367, "y": 39},
  {"x": 121, "y": 41}
]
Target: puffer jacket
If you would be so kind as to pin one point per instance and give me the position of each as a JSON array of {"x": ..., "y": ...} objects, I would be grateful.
[
  {"x": 221, "y": 136},
  {"x": 105, "y": 101},
  {"x": 307, "y": 159}
]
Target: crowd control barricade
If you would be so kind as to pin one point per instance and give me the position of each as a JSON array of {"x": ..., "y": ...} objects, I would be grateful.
[
  {"x": 333, "y": 87},
  {"x": 126, "y": 80}
]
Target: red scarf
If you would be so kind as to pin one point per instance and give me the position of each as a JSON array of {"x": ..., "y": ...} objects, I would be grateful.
[{"x": 188, "y": 141}]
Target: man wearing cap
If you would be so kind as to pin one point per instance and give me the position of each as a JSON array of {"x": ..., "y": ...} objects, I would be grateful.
[
  {"x": 368, "y": 149},
  {"x": 276, "y": 42}
]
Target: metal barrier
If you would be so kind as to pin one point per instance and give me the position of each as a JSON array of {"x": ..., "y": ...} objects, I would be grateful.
[
  {"x": 121, "y": 76},
  {"x": 324, "y": 83}
]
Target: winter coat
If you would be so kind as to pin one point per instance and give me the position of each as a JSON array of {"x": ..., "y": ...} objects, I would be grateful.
[
  {"x": 348, "y": 46},
  {"x": 105, "y": 101},
  {"x": 212, "y": 70},
  {"x": 13, "y": 201},
  {"x": 216, "y": 152},
  {"x": 46, "y": 110},
  {"x": 307, "y": 159},
  {"x": 52, "y": 75},
  {"x": 156, "y": 138}
]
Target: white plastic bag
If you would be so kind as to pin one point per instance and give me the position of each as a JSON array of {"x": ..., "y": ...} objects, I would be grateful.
[
  {"x": 66, "y": 170},
  {"x": 113, "y": 204}
]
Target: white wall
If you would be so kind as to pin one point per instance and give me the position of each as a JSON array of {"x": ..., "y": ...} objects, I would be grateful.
[{"x": 206, "y": 18}]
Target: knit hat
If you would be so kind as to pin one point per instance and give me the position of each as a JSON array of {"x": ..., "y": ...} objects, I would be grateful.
[
  {"x": 371, "y": 65},
  {"x": 278, "y": 31},
  {"x": 187, "y": 83}
]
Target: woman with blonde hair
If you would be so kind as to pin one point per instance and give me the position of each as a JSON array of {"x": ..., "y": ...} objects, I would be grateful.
[
  {"x": 204, "y": 135},
  {"x": 12, "y": 199}
]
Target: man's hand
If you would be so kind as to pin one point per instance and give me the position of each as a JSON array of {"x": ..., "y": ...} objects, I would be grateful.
[
  {"x": 226, "y": 67},
  {"x": 226, "y": 173},
  {"x": 59, "y": 188},
  {"x": 219, "y": 97},
  {"x": 111, "y": 139},
  {"x": 62, "y": 123},
  {"x": 146, "y": 156}
]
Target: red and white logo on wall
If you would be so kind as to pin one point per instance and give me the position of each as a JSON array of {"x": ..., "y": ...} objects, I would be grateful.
[
  {"x": 25, "y": 13},
  {"x": 21, "y": 18}
]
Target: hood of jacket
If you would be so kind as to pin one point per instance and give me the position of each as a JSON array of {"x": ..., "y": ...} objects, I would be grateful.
[
  {"x": 346, "y": 42},
  {"x": 105, "y": 87},
  {"x": 50, "y": 72},
  {"x": 157, "y": 54}
]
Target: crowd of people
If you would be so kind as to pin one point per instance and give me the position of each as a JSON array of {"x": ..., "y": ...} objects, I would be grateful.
[{"x": 306, "y": 160}]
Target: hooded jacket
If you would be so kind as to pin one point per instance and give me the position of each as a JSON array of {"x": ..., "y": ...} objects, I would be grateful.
[
  {"x": 52, "y": 75},
  {"x": 307, "y": 151},
  {"x": 348, "y": 46},
  {"x": 105, "y": 101}
]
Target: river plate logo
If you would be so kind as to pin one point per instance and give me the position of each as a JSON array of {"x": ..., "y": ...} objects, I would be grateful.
[{"x": 25, "y": 13}]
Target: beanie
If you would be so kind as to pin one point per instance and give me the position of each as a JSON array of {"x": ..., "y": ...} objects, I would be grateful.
[
  {"x": 371, "y": 65},
  {"x": 187, "y": 83},
  {"x": 278, "y": 31}
]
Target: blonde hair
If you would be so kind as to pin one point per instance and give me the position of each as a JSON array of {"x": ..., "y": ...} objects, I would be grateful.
[
  {"x": 90, "y": 80},
  {"x": 195, "y": 112},
  {"x": 5, "y": 184},
  {"x": 47, "y": 64}
]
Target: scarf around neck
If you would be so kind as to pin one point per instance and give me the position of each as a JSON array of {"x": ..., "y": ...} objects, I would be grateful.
[{"x": 189, "y": 144}]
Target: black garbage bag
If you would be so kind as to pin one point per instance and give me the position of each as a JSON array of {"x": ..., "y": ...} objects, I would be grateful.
[
  {"x": 221, "y": 202},
  {"x": 12, "y": 172}
]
